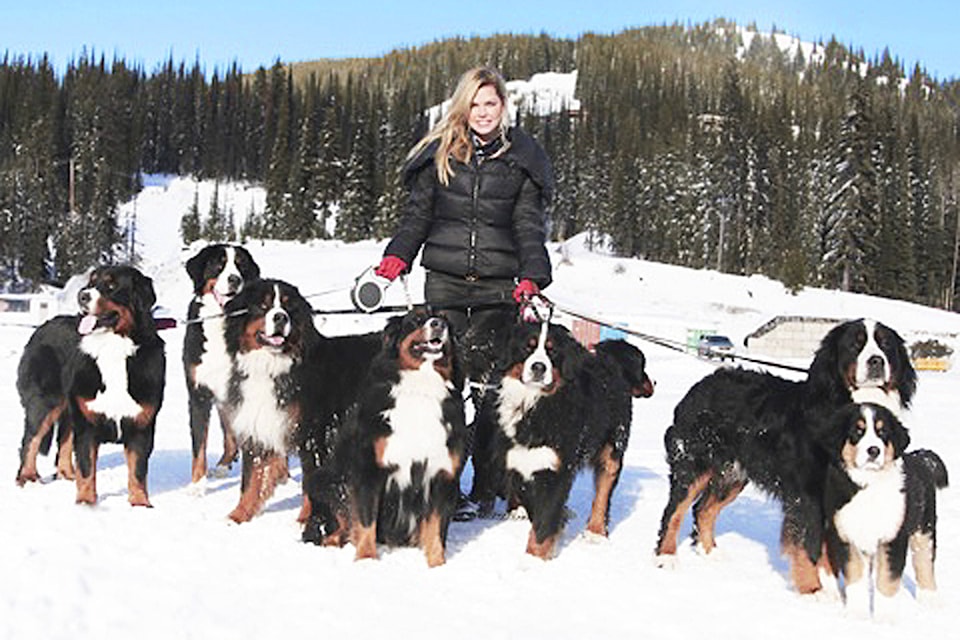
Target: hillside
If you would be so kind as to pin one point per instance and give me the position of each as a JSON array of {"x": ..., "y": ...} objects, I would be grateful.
[{"x": 702, "y": 145}]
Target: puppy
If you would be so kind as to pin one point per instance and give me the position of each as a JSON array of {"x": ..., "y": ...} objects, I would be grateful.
[
  {"x": 879, "y": 502},
  {"x": 409, "y": 435},
  {"x": 218, "y": 272}
]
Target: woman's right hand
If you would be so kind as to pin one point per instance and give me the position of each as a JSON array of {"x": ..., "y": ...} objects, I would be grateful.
[{"x": 391, "y": 267}]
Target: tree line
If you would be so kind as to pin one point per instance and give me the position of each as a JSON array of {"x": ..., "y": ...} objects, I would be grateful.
[{"x": 687, "y": 148}]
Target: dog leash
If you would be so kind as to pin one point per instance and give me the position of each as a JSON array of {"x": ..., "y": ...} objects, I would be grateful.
[{"x": 662, "y": 342}]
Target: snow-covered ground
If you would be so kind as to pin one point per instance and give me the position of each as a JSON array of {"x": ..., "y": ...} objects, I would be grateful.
[{"x": 182, "y": 570}]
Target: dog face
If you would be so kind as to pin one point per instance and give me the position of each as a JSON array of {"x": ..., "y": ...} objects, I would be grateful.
[
  {"x": 872, "y": 437},
  {"x": 221, "y": 270},
  {"x": 868, "y": 354},
  {"x": 542, "y": 355},
  {"x": 117, "y": 299},
  {"x": 419, "y": 338},
  {"x": 268, "y": 314}
]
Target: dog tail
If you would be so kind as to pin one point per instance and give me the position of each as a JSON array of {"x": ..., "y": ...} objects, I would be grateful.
[{"x": 933, "y": 464}]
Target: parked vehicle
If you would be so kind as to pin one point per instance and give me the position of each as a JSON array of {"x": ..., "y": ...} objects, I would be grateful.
[{"x": 715, "y": 346}]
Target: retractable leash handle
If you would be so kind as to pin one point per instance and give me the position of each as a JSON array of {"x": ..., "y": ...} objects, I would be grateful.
[{"x": 368, "y": 291}]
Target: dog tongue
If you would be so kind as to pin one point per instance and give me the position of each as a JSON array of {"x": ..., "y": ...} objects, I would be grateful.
[
  {"x": 274, "y": 341},
  {"x": 87, "y": 324}
]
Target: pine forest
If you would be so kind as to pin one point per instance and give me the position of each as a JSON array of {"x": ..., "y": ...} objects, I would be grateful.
[{"x": 838, "y": 171}]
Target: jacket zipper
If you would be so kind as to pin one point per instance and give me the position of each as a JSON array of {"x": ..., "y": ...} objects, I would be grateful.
[{"x": 472, "y": 256}]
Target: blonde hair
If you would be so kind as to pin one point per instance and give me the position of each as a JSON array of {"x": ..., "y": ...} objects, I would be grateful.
[{"x": 452, "y": 129}]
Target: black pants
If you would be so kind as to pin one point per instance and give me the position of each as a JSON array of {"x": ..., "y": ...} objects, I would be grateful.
[{"x": 480, "y": 314}]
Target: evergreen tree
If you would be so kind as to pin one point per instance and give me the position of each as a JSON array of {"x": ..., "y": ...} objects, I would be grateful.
[
  {"x": 852, "y": 205},
  {"x": 217, "y": 226},
  {"x": 190, "y": 222}
]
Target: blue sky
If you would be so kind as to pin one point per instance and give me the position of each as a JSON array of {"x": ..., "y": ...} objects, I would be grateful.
[{"x": 256, "y": 33}]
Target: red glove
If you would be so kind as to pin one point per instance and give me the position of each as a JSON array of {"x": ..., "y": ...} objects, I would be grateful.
[
  {"x": 525, "y": 290},
  {"x": 390, "y": 267}
]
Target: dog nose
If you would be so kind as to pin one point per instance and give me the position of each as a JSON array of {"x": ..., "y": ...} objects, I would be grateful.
[
  {"x": 234, "y": 281},
  {"x": 538, "y": 369},
  {"x": 280, "y": 320},
  {"x": 873, "y": 452},
  {"x": 875, "y": 366}
]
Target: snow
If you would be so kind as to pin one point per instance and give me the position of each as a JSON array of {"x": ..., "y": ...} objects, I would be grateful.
[
  {"x": 541, "y": 94},
  {"x": 183, "y": 570},
  {"x": 789, "y": 45}
]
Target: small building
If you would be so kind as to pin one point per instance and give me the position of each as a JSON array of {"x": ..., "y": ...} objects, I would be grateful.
[
  {"x": 790, "y": 336},
  {"x": 27, "y": 309}
]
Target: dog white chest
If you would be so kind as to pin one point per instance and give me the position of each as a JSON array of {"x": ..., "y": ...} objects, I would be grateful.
[
  {"x": 110, "y": 351},
  {"x": 419, "y": 433},
  {"x": 875, "y": 513},
  {"x": 259, "y": 416},
  {"x": 213, "y": 371},
  {"x": 516, "y": 400}
]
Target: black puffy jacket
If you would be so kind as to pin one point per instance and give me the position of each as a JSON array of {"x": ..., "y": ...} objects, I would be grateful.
[{"x": 488, "y": 222}]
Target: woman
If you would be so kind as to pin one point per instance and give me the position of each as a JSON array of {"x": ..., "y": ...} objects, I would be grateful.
[
  {"x": 479, "y": 190},
  {"x": 478, "y": 194}
]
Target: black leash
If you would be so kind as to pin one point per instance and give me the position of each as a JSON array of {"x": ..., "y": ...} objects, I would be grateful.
[
  {"x": 394, "y": 308},
  {"x": 663, "y": 342}
]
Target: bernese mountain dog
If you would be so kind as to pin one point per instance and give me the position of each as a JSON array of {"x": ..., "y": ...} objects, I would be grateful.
[
  {"x": 556, "y": 409},
  {"x": 879, "y": 501},
  {"x": 736, "y": 426},
  {"x": 289, "y": 389},
  {"x": 218, "y": 272},
  {"x": 407, "y": 439},
  {"x": 100, "y": 376}
]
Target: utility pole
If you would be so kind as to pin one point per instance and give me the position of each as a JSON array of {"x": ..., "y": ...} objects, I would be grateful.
[
  {"x": 72, "y": 191},
  {"x": 720, "y": 239}
]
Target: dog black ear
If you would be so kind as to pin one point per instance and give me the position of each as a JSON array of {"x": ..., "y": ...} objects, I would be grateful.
[
  {"x": 143, "y": 288},
  {"x": 899, "y": 436},
  {"x": 906, "y": 376},
  {"x": 391, "y": 334},
  {"x": 824, "y": 375},
  {"x": 195, "y": 267},
  {"x": 249, "y": 269},
  {"x": 832, "y": 433}
]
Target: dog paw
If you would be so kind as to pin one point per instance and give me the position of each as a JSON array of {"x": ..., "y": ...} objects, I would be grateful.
[
  {"x": 219, "y": 471},
  {"x": 830, "y": 591},
  {"x": 714, "y": 554},
  {"x": 197, "y": 489},
  {"x": 930, "y": 598},
  {"x": 519, "y": 513},
  {"x": 665, "y": 561},
  {"x": 593, "y": 537}
]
